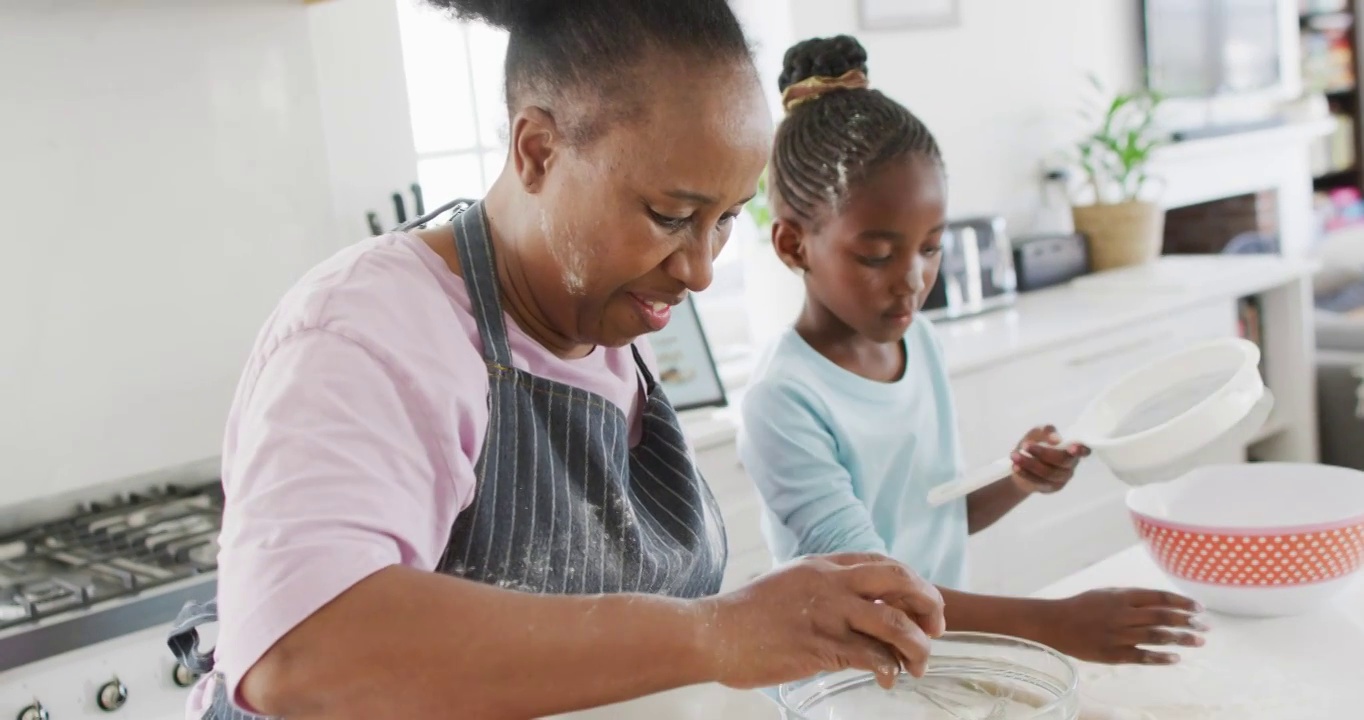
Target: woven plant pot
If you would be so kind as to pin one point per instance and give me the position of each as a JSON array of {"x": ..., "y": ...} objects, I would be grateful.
[{"x": 1121, "y": 234}]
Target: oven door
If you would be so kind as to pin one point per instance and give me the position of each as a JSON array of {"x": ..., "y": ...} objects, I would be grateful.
[{"x": 69, "y": 685}]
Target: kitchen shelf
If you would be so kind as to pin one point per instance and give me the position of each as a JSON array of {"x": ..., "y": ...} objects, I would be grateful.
[
  {"x": 1331, "y": 66},
  {"x": 1334, "y": 177},
  {"x": 1339, "y": 20}
]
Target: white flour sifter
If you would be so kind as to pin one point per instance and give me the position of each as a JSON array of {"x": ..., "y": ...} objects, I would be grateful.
[{"x": 1161, "y": 420}]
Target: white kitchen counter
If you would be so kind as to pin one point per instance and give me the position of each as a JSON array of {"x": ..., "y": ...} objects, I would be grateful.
[{"x": 1302, "y": 668}]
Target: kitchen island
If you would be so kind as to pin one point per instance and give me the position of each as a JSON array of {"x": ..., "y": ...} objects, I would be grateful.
[{"x": 1302, "y": 668}]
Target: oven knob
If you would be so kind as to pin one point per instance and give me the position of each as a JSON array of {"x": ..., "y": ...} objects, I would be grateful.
[
  {"x": 36, "y": 711},
  {"x": 112, "y": 695},
  {"x": 182, "y": 676}
]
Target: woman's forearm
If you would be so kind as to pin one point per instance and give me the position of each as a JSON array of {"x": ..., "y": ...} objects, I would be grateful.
[
  {"x": 406, "y": 643},
  {"x": 1025, "y": 618},
  {"x": 987, "y": 505}
]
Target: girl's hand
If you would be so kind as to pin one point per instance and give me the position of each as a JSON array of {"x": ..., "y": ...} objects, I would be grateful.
[
  {"x": 1115, "y": 626},
  {"x": 1041, "y": 465},
  {"x": 823, "y": 613}
]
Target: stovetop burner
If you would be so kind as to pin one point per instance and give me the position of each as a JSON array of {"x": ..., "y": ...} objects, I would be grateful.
[{"x": 109, "y": 550}]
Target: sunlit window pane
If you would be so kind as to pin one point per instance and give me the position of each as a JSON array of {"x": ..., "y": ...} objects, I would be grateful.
[
  {"x": 437, "y": 70},
  {"x": 447, "y": 178},
  {"x": 488, "y": 48}
]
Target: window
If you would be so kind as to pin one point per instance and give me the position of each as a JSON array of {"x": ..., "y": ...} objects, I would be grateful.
[
  {"x": 459, "y": 123},
  {"x": 454, "y": 89}
]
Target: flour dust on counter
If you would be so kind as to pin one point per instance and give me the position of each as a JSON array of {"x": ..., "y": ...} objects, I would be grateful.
[
  {"x": 1182, "y": 693},
  {"x": 1297, "y": 668}
]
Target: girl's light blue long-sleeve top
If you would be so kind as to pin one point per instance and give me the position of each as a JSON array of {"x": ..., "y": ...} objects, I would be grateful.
[{"x": 844, "y": 463}]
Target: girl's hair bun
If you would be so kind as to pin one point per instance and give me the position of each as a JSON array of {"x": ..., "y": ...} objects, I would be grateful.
[{"x": 821, "y": 57}]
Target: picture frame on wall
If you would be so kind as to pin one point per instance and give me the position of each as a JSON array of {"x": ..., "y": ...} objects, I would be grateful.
[
  {"x": 686, "y": 367},
  {"x": 908, "y": 14}
]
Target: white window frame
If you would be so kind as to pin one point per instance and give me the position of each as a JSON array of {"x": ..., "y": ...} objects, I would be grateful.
[{"x": 479, "y": 148}]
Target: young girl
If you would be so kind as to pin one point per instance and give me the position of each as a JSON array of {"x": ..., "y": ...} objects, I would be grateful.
[{"x": 850, "y": 421}]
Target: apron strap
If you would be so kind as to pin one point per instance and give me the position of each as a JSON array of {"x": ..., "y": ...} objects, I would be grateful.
[
  {"x": 184, "y": 635},
  {"x": 473, "y": 242},
  {"x": 643, "y": 369}
]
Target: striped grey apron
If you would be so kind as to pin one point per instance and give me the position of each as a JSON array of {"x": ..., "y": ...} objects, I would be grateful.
[{"x": 562, "y": 504}]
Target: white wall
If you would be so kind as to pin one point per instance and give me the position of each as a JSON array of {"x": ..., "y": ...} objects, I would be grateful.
[
  {"x": 1001, "y": 91},
  {"x": 769, "y": 26},
  {"x": 163, "y": 179},
  {"x": 359, "y": 60}
]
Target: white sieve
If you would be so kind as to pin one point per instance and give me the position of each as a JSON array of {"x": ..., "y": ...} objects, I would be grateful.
[{"x": 1161, "y": 420}]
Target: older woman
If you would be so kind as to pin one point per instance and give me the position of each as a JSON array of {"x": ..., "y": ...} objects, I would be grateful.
[{"x": 454, "y": 488}]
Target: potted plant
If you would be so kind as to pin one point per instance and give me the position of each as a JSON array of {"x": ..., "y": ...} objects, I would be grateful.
[{"x": 1124, "y": 226}]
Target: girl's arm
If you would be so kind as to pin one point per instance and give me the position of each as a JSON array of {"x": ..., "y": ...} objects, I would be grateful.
[
  {"x": 987, "y": 505},
  {"x": 1104, "y": 626},
  {"x": 1016, "y": 617},
  {"x": 1039, "y": 467}
]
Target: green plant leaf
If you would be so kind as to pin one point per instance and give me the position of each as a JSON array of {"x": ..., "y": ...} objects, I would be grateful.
[
  {"x": 759, "y": 208},
  {"x": 1114, "y": 155}
]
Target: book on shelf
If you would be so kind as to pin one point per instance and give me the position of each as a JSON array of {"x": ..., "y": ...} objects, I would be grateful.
[{"x": 1328, "y": 64}]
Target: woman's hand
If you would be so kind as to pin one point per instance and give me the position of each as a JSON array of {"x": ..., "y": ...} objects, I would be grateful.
[
  {"x": 1114, "y": 626},
  {"x": 1041, "y": 464},
  {"x": 820, "y": 614}
]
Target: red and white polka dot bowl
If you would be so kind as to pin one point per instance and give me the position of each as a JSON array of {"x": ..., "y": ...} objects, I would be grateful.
[{"x": 1259, "y": 539}]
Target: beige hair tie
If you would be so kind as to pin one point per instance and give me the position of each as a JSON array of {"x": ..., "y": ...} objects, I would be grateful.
[{"x": 812, "y": 87}]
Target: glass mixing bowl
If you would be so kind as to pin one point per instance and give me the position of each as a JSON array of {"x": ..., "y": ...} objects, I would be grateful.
[{"x": 971, "y": 676}]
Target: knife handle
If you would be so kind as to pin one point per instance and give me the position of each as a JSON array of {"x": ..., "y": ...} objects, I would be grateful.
[{"x": 419, "y": 203}]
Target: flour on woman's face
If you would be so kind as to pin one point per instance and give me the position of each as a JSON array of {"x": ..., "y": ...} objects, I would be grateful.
[{"x": 570, "y": 250}]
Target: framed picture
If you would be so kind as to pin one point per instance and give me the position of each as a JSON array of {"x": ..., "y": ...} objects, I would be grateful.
[
  {"x": 686, "y": 369},
  {"x": 908, "y": 14}
]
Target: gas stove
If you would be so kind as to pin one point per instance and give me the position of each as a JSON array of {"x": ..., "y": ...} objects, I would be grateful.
[{"x": 118, "y": 566}]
